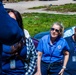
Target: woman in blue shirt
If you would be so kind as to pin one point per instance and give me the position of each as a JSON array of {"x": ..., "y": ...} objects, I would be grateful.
[
  {"x": 20, "y": 58},
  {"x": 10, "y": 32},
  {"x": 52, "y": 52}
]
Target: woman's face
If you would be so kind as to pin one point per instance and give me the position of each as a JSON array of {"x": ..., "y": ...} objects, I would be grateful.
[
  {"x": 55, "y": 31},
  {"x": 12, "y": 15}
]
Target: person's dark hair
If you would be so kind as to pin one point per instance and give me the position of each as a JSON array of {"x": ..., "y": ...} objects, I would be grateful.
[{"x": 18, "y": 17}]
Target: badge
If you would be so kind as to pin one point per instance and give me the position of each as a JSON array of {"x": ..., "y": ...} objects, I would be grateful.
[
  {"x": 12, "y": 64},
  {"x": 74, "y": 58},
  {"x": 59, "y": 46}
]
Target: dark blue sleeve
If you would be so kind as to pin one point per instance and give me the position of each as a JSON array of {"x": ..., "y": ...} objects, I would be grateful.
[{"x": 10, "y": 32}]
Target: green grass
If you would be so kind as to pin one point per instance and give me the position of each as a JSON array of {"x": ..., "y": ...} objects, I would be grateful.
[
  {"x": 61, "y": 8},
  {"x": 39, "y": 7},
  {"x": 38, "y": 22}
]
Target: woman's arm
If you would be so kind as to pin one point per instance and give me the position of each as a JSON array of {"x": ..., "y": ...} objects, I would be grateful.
[
  {"x": 66, "y": 57},
  {"x": 39, "y": 63},
  {"x": 10, "y": 32}
]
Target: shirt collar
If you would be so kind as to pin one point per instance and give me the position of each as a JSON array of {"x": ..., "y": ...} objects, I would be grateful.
[{"x": 49, "y": 37}]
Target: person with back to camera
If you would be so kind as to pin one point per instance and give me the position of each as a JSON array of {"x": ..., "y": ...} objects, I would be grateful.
[
  {"x": 71, "y": 65},
  {"x": 53, "y": 52},
  {"x": 9, "y": 30},
  {"x": 20, "y": 58}
]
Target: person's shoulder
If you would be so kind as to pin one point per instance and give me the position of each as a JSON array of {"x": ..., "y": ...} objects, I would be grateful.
[
  {"x": 45, "y": 37},
  {"x": 68, "y": 38},
  {"x": 28, "y": 39},
  {"x": 27, "y": 35},
  {"x": 64, "y": 39}
]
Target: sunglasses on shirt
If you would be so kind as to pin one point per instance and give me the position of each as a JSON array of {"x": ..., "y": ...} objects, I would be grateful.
[{"x": 52, "y": 29}]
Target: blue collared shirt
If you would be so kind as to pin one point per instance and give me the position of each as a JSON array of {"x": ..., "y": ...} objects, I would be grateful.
[{"x": 52, "y": 53}]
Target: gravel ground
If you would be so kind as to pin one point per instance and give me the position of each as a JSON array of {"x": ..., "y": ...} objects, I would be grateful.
[{"x": 23, "y": 6}]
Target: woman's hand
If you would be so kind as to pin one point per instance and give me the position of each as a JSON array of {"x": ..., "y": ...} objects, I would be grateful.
[
  {"x": 37, "y": 73},
  {"x": 61, "y": 71}
]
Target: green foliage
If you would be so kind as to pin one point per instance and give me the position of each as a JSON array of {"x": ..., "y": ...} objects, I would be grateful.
[
  {"x": 38, "y": 22},
  {"x": 61, "y": 8},
  {"x": 39, "y": 7}
]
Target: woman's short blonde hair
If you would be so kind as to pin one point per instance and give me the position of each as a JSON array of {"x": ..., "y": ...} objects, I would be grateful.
[{"x": 61, "y": 27}]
